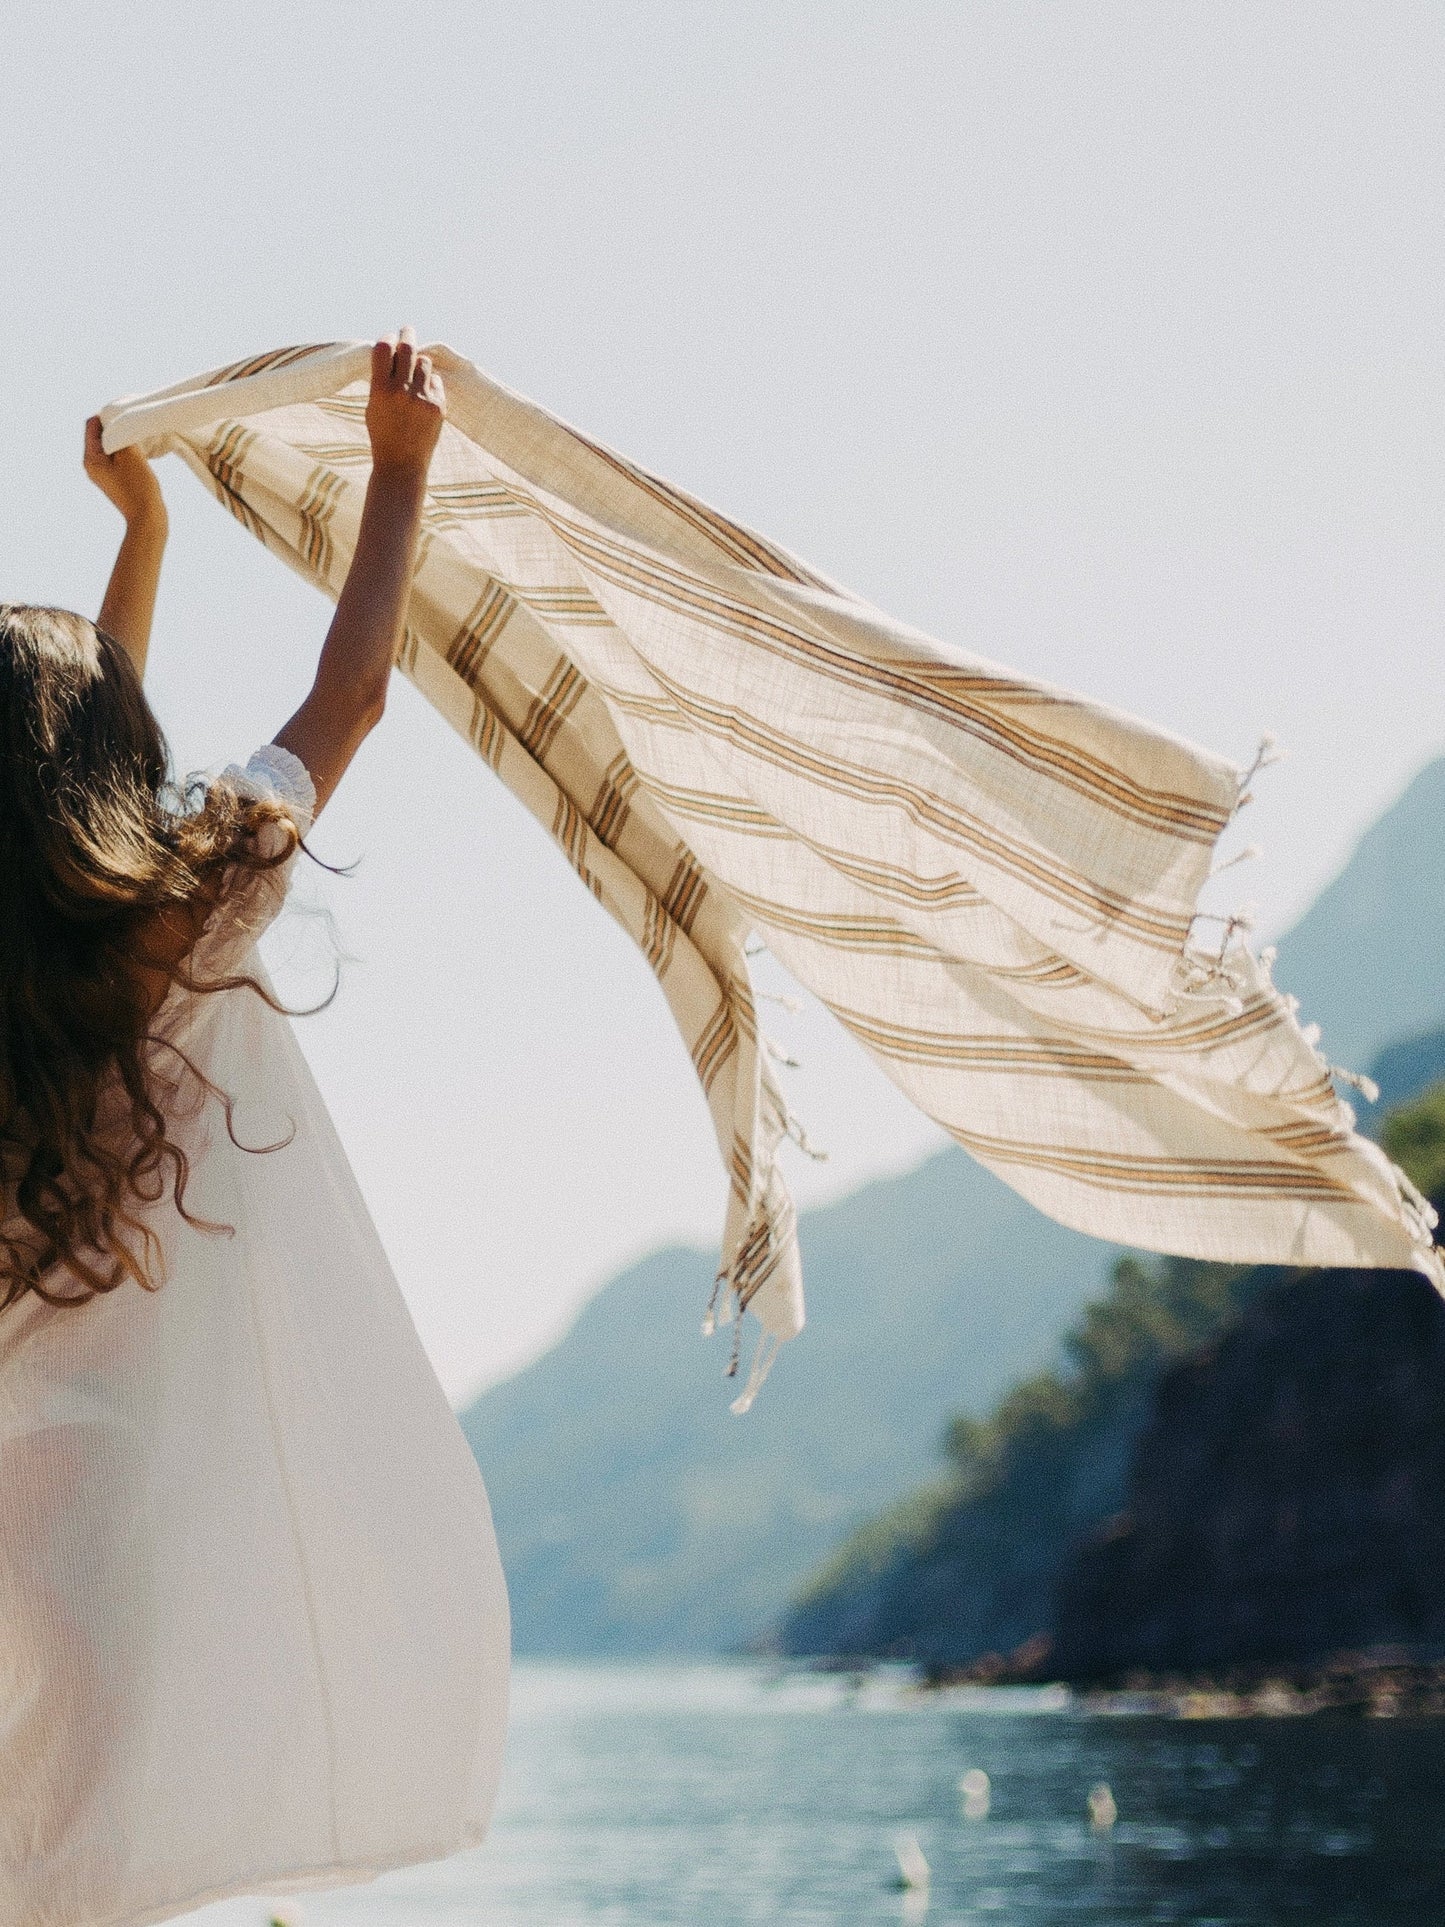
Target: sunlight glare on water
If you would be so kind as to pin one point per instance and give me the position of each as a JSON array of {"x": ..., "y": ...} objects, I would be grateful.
[{"x": 670, "y": 1796}]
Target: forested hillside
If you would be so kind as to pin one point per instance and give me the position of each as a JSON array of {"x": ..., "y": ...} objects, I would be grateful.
[
  {"x": 1231, "y": 1465},
  {"x": 968, "y": 1566}
]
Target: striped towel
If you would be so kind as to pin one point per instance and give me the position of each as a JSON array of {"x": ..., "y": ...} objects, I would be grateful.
[{"x": 992, "y": 884}]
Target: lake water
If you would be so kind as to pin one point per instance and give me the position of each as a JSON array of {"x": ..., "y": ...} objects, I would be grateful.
[{"x": 647, "y": 1796}]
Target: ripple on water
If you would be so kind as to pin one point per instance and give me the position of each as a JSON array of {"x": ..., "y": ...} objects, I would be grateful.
[{"x": 727, "y": 1795}]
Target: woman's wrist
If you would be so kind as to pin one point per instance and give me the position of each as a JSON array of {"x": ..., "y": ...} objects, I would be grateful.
[
  {"x": 401, "y": 476},
  {"x": 148, "y": 518},
  {"x": 144, "y": 543}
]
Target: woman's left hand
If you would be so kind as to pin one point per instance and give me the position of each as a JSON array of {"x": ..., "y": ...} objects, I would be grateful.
[{"x": 125, "y": 478}]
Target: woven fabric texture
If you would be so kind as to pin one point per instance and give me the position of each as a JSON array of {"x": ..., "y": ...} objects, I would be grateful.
[{"x": 991, "y": 883}]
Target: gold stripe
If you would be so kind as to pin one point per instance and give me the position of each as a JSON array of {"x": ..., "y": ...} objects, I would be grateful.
[
  {"x": 1049, "y": 972},
  {"x": 881, "y": 934},
  {"x": 277, "y": 358},
  {"x": 469, "y": 648},
  {"x": 658, "y": 936},
  {"x": 453, "y": 504},
  {"x": 760, "y": 1254},
  {"x": 647, "y": 709},
  {"x": 740, "y": 1166},
  {"x": 486, "y": 733},
  {"x": 1191, "y": 818},
  {"x": 570, "y": 830},
  {"x": 736, "y": 543},
  {"x": 715, "y": 1045},
  {"x": 703, "y": 806},
  {"x": 225, "y": 454},
  {"x": 347, "y": 408},
  {"x": 990, "y": 1054},
  {"x": 242, "y": 511},
  {"x": 740, "y": 995},
  {"x": 1258, "y": 1013},
  {"x": 549, "y": 710},
  {"x": 227, "y": 450},
  {"x": 316, "y": 507},
  {"x": 613, "y": 803},
  {"x": 564, "y": 605},
  {"x": 336, "y": 454},
  {"x": 1174, "y": 1177},
  {"x": 686, "y": 889}
]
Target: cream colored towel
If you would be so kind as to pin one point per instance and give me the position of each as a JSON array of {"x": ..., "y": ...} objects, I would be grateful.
[{"x": 991, "y": 883}]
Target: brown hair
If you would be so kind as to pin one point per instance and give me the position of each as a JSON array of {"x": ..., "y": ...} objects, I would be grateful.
[{"x": 99, "y": 857}]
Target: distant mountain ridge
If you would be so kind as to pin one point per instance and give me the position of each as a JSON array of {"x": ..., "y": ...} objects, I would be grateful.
[
  {"x": 1367, "y": 960},
  {"x": 636, "y": 1515},
  {"x": 1402, "y": 1071}
]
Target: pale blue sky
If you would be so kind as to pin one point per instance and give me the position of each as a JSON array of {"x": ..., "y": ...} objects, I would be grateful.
[{"x": 1103, "y": 338}]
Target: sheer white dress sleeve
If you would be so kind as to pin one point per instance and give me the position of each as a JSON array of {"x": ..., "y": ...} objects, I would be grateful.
[{"x": 253, "y": 1628}]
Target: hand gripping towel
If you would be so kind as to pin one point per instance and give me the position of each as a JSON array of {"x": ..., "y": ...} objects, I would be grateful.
[{"x": 991, "y": 883}]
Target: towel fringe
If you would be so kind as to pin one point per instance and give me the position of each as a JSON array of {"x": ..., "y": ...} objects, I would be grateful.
[
  {"x": 1233, "y": 921},
  {"x": 1418, "y": 1215},
  {"x": 1246, "y": 855},
  {"x": 1207, "y": 981},
  {"x": 779, "y": 1055},
  {"x": 804, "y": 1143},
  {"x": 1357, "y": 1081},
  {"x": 769, "y": 1345},
  {"x": 1417, "y": 1206},
  {"x": 710, "y": 1316},
  {"x": 790, "y": 1004},
  {"x": 1267, "y": 753}
]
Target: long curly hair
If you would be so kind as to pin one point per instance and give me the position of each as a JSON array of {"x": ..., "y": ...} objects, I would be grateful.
[{"x": 98, "y": 853}]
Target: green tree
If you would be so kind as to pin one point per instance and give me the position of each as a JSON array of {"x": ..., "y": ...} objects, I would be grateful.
[{"x": 1414, "y": 1136}]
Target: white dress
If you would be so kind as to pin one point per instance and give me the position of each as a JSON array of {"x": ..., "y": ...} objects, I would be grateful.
[{"x": 253, "y": 1627}]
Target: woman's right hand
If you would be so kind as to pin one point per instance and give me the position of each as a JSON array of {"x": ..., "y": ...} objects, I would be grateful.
[
  {"x": 404, "y": 417},
  {"x": 406, "y": 407},
  {"x": 126, "y": 479}
]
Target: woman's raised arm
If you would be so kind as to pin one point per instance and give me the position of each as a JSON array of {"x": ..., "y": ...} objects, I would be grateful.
[
  {"x": 127, "y": 480},
  {"x": 404, "y": 416}
]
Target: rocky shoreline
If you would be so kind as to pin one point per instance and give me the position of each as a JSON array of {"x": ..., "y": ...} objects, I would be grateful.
[{"x": 1385, "y": 1684}]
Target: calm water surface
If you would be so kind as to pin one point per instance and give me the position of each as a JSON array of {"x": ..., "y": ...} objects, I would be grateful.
[{"x": 646, "y": 1796}]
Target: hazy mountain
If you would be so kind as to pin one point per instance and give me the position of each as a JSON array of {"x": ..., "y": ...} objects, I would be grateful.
[
  {"x": 637, "y": 1515},
  {"x": 1402, "y": 1071},
  {"x": 1367, "y": 959}
]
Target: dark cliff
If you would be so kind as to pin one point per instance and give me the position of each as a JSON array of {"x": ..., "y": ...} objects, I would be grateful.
[
  {"x": 1287, "y": 1498},
  {"x": 1286, "y": 1501},
  {"x": 1233, "y": 1468},
  {"x": 967, "y": 1568}
]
